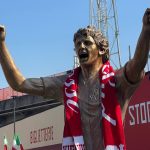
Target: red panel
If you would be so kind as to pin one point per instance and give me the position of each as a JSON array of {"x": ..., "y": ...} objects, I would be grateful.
[
  {"x": 7, "y": 93},
  {"x": 137, "y": 123},
  {"x": 1, "y": 94}
]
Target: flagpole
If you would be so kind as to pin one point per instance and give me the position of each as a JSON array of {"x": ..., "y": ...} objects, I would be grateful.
[
  {"x": 14, "y": 110},
  {"x": 14, "y": 116}
]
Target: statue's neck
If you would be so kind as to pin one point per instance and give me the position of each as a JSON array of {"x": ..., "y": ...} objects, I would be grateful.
[{"x": 89, "y": 71}]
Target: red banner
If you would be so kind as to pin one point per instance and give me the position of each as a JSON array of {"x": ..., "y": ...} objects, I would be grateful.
[{"x": 137, "y": 123}]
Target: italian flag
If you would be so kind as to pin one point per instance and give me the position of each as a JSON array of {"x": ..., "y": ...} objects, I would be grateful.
[
  {"x": 17, "y": 144},
  {"x": 5, "y": 143},
  {"x": 14, "y": 147}
]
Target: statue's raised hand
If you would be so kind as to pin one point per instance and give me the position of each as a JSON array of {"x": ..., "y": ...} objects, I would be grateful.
[
  {"x": 146, "y": 21},
  {"x": 2, "y": 33}
]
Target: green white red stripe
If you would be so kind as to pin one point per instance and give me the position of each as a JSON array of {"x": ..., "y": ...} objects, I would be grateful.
[
  {"x": 14, "y": 146},
  {"x": 5, "y": 143},
  {"x": 17, "y": 144}
]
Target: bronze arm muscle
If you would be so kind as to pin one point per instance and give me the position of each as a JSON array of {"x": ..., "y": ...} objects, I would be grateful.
[{"x": 135, "y": 67}]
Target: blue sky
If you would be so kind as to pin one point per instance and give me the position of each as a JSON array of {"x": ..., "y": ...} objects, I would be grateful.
[{"x": 40, "y": 32}]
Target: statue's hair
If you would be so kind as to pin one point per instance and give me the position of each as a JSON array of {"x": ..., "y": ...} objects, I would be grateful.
[{"x": 100, "y": 40}]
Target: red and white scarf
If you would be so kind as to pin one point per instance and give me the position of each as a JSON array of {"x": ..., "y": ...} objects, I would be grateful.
[{"x": 112, "y": 127}]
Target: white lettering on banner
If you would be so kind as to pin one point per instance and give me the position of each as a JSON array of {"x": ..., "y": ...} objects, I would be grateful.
[
  {"x": 114, "y": 147},
  {"x": 148, "y": 110},
  {"x": 73, "y": 147},
  {"x": 41, "y": 135},
  {"x": 139, "y": 113},
  {"x": 107, "y": 75},
  {"x": 70, "y": 95},
  {"x": 108, "y": 118},
  {"x": 143, "y": 113},
  {"x": 111, "y": 83},
  {"x": 132, "y": 122},
  {"x": 69, "y": 83},
  {"x": 103, "y": 69},
  {"x": 69, "y": 101},
  {"x": 71, "y": 73}
]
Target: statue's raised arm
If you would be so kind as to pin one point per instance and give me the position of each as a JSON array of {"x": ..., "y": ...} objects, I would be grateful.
[
  {"x": 14, "y": 77},
  {"x": 35, "y": 86},
  {"x": 135, "y": 67}
]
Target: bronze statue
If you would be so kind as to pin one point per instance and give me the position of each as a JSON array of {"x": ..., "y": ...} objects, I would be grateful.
[{"x": 93, "y": 51}]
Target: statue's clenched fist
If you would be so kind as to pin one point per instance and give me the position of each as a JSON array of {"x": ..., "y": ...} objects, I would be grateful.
[
  {"x": 2, "y": 33},
  {"x": 146, "y": 20}
]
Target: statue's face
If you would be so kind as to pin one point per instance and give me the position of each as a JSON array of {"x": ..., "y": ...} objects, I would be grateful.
[{"x": 86, "y": 49}]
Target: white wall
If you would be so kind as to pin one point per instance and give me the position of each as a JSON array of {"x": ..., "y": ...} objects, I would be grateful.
[{"x": 43, "y": 129}]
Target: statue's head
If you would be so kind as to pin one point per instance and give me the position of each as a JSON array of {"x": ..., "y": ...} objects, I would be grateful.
[{"x": 90, "y": 38}]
